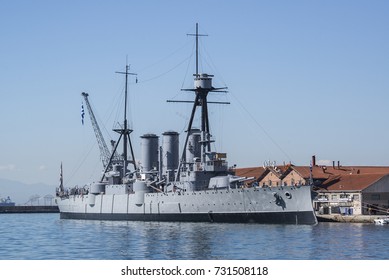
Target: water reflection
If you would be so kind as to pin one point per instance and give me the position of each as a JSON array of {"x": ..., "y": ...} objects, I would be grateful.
[
  {"x": 214, "y": 241},
  {"x": 159, "y": 240},
  {"x": 341, "y": 241}
]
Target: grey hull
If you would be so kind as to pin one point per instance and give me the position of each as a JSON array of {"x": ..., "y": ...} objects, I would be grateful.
[{"x": 293, "y": 205}]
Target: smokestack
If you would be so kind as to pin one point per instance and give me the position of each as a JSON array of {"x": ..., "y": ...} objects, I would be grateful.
[{"x": 313, "y": 160}]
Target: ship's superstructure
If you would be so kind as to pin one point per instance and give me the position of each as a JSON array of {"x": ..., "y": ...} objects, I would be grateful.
[{"x": 196, "y": 185}]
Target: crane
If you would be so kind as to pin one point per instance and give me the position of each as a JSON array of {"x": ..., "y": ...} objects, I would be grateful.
[{"x": 105, "y": 154}]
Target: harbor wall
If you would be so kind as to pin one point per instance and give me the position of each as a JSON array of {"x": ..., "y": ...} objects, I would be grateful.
[
  {"x": 348, "y": 218},
  {"x": 28, "y": 209}
]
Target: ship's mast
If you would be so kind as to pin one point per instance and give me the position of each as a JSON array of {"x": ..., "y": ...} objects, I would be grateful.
[
  {"x": 203, "y": 85},
  {"x": 125, "y": 131},
  {"x": 197, "y": 47}
]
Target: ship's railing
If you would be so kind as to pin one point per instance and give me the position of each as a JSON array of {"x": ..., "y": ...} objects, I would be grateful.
[{"x": 72, "y": 191}]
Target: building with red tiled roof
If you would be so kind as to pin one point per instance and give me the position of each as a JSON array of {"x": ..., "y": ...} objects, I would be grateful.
[
  {"x": 363, "y": 193},
  {"x": 336, "y": 188}
]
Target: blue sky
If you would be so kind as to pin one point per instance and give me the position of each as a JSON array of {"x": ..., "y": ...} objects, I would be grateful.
[{"x": 304, "y": 78}]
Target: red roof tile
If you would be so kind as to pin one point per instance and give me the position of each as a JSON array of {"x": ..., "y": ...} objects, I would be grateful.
[
  {"x": 343, "y": 178},
  {"x": 353, "y": 182},
  {"x": 250, "y": 172}
]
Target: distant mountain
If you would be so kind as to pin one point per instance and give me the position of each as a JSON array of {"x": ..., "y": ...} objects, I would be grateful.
[{"x": 22, "y": 193}]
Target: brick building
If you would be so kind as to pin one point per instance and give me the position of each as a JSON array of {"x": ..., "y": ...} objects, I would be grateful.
[{"x": 336, "y": 189}]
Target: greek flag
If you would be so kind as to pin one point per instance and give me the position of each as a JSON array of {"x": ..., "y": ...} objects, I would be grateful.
[
  {"x": 82, "y": 114},
  {"x": 61, "y": 180}
]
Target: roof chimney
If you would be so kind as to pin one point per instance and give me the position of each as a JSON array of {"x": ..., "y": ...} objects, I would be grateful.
[
  {"x": 333, "y": 164},
  {"x": 338, "y": 164},
  {"x": 313, "y": 160}
]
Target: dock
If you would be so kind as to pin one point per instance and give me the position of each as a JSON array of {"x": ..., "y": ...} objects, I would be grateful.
[
  {"x": 28, "y": 209},
  {"x": 339, "y": 218}
]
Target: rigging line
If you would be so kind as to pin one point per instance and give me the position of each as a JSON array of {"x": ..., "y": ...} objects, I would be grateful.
[
  {"x": 220, "y": 128},
  {"x": 201, "y": 56},
  {"x": 160, "y": 75},
  {"x": 95, "y": 172},
  {"x": 113, "y": 109},
  {"x": 187, "y": 68},
  {"x": 262, "y": 128},
  {"x": 162, "y": 59},
  {"x": 76, "y": 169},
  {"x": 99, "y": 120},
  {"x": 130, "y": 107},
  {"x": 120, "y": 104},
  {"x": 212, "y": 65}
]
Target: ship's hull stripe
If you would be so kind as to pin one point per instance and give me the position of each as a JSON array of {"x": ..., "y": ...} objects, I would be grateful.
[{"x": 300, "y": 217}]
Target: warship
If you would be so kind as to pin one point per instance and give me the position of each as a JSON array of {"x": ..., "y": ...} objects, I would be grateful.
[{"x": 196, "y": 185}]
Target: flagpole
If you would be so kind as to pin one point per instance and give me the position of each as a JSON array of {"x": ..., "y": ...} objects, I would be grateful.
[{"x": 61, "y": 189}]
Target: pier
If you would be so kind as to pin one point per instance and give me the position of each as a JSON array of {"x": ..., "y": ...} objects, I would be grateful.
[
  {"x": 348, "y": 218},
  {"x": 28, "y": 209}
]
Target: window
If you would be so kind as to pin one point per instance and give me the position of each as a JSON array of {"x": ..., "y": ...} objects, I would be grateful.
[{"x": 334, "y": 196}]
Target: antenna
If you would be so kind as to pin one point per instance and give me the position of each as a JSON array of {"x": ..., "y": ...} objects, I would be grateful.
[
  {"x": 126, "y": 89},
  {"x": 197, "y": 47}
]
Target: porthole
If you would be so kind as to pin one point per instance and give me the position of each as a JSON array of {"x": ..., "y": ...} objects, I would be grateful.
[{"x": 288, "y": 195}]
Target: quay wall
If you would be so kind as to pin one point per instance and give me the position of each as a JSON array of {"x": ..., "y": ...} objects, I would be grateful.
[
  {"x": 28, "y": 209},
  {"x": 348, "y": 218}
]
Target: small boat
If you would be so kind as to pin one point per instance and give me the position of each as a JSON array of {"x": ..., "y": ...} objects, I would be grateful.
[
  {"x": 382, "y": 221},
  {"x": 6, "y": 202}
]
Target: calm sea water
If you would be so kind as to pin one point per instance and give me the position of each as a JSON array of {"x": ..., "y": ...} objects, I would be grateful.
[{"x": 45, "y": 236}]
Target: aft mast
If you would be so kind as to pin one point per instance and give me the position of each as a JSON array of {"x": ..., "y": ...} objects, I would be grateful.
[{"x": 124, "y": 131}]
